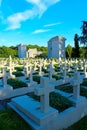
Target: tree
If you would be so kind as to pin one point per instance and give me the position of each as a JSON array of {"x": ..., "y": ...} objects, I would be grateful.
[
  {"x": 83, "y": 38},
  {"x": 6, "y": 51},
  {"x": 69, "y": 50},
  {"x": 76, "y": 43},
  {"x": 82, "y": 52}
]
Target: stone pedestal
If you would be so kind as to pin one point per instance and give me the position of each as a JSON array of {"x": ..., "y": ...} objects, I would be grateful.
[
  {"x": 52, "y": 80},
  {"x": 32, "y": 84},
  {"x": 78, "y": 102},
  {"x": 6, "y": 92},
  {"x": 28, "y": 108}
]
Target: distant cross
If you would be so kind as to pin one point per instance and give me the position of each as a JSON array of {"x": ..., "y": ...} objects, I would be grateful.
[
  {"x": 75, "y": 67},
  {"x": 50, "y": 70},
  {"x": 35, "y": 65},
  {"x": 64, "y": 70},
  {"x": 31, "y": 75},
  {"x": 27, "y": 69},
  {"x": 40, "y": 68}
]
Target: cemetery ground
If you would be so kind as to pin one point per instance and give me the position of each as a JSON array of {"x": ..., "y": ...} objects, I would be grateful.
[{"x": 10, "y": 120}]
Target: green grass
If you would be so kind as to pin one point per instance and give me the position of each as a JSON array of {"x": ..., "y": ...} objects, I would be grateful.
[
  {"x": 69, "y": 89},
  {"x": 9, "y": 120},
  {"x": 80, "y": 125},
  {"x": 56, "y": 101},
  {"x": 16, "y": 83}
]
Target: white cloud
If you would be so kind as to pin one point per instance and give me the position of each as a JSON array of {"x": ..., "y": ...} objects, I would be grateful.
[
  {"x": 52, "y": 24},
  {"x": 41, "y": 31},
  {"x": 39, "y": 7},
  {"x": 42, "y": 5},
  {"x": 15, "y": 20}
]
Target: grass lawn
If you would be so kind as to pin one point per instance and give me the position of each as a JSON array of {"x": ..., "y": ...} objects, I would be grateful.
[
  {"x": 9, "y": 120},
  {"x": 69, "y": 89},
  {"x": 80, "y": 125}
]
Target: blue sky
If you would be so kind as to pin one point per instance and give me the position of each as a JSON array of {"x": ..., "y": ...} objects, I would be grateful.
[{"x": 36, "y": 21}]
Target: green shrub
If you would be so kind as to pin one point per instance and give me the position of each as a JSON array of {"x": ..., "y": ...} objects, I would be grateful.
[
  {"x": 35, "y": 73},
  {"x": 56, "y": 76},
  {"x": 18, "y": 73},
  {"x": 83, "y": 92},
  {"x": 57, "y": 68},
  {"x": 16, "y": 83},
  {"x": 69, "y": 89},
  {"x": 36, "y": 79},
  {"x": 19, "y": 68},
  {"x": 69, "y": 74},
  {"x": 59, "y": 102},
  {"x": 84, "y": 83},
  {"x": 53, "y": 76},
  {"x": 44, "y": 70}
]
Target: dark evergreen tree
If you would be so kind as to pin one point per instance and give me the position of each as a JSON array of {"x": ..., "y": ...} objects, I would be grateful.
[
  {"x": 83, "y": 38},
  {"x": 76, "y": 44}
]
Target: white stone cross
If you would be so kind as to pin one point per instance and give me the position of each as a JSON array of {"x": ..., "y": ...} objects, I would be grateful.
[
  {"x": 26, "y": 69},
  {"x": 11, "y": 67},
  {"x": 40, "y": 68},
  {"x": 64, "y": 70},
  {"x": 50, "y": 70},
  {"x": 44, "y": 64},
  {"x": 43, "y": 91},
  {"x": 85, "y": 68},
  {"x": 35, "y": 65},
  {"x": 77, "y": 80},
  {"x": 31, "y": 75},
  {"x": 4, "y": 78},
  {"x": 75, "y": 67}
]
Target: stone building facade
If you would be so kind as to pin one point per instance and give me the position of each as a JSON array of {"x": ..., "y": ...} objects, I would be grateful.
[
  {"x": 22, "y": 51},
  {"x": 56, "y": 47},
  {"x": 33, "y": 53}
]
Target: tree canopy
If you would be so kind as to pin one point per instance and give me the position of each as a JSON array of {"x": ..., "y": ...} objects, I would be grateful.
[{"x": 69, "y": 50}]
